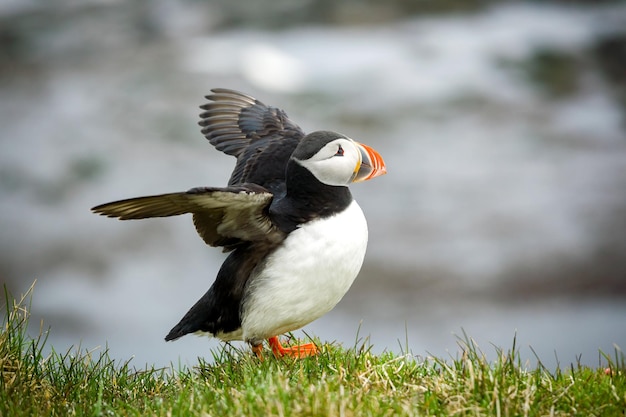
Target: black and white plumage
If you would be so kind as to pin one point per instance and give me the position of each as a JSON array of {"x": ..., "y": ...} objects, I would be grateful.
[{"x": 296, "y": 237}]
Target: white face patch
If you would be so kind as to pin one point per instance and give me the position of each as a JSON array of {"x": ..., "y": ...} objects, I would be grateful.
[{"x": 336, "y": 163}]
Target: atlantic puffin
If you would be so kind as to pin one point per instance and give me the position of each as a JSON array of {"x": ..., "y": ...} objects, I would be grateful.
[{"x": 296, "y": 236}]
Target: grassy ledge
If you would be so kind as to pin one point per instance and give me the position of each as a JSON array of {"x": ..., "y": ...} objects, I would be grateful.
[{"x": 338, "y": 382}]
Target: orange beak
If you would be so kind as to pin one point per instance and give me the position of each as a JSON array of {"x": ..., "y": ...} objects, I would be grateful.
[{"x": 372, "y": 164}]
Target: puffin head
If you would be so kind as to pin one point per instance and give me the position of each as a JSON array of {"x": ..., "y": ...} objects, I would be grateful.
[{"x": 337, "y": 160}]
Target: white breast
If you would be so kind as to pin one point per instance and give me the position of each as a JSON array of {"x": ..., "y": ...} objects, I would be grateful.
[{"x": 306, "y": 276}]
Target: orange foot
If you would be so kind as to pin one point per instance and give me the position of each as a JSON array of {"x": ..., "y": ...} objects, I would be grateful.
[
  {"x": 298, "y": 351},
  {"x": 258, "y": 350}
]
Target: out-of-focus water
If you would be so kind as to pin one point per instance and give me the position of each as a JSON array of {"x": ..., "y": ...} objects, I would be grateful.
[{"x": 502, "y": 213}]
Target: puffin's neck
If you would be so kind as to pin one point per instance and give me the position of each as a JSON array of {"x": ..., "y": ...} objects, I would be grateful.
[{"x": 308, "y": 199}]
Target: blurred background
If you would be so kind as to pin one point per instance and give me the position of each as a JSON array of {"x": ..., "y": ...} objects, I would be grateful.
[{"x": 503, "y": 126}]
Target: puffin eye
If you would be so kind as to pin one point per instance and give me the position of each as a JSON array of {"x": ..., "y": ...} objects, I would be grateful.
[{"x": 339, "y": 151}]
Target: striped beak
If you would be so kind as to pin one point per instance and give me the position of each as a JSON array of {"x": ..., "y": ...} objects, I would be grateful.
[{"x": 372, "y": 164}]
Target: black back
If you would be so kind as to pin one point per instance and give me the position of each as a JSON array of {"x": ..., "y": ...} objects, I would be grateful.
[{"x": 262, "y": 138}]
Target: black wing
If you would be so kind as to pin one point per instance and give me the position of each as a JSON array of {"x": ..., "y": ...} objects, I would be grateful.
[
  {"x": 262, "y": 138},
  {"x": 222, "y": 216}
]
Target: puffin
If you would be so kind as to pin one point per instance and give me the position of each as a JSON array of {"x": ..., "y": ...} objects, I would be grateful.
[{"x": 295, "y": 236}]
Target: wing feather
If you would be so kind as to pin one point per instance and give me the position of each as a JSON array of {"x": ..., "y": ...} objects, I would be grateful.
[
  {"x": 222, "y": 216},
  {"x": 261, "y": 137}
]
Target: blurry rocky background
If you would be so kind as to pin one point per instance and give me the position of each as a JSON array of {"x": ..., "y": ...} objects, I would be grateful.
[{"x": 503, "y": 125}]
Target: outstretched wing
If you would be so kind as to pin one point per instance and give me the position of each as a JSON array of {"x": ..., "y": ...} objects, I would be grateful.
[
  {"x": 262, "y": 138},
  {"x": 223, "y": 216}
]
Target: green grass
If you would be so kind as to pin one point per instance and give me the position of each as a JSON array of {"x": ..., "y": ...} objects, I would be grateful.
[{"x": 339, "y": 382}]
